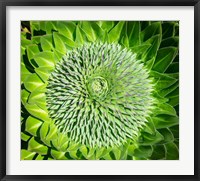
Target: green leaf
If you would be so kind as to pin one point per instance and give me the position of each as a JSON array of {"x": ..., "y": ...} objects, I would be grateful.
[
  {"x": 32, "y": 125},
  {"x": 168, "y": 90},
  {"x": 34, "y": 146},
  {"x": 107, "y": 25},
  {"x": 25, "y": 137},
  {"x": 152, "y": 51},
  {"x": 143, "y": 152},
  {"x": 91, "y": 154},
  {"x": 163, "y": 80},
  {"x": 164, "y": 108},
  {"x": 167, "y": 134},
  {"x": 171, "y": 41},
  {"x": 36, "y": 39},
  {"x": 133, "y": 31},
  {"x": 66, "y": 29},
  {"x": 139, "y": 50},
  {"x": 61, "y": 143},
  {"x": 24, "y": 96},
  {"x": 149, "y": 139},
  {"x": 73, "y": 154},
  {"x": 43, "y": 72},
  {"x": 46, "y": 42},
  {"x": 173, "y": 67},
  {"x": 38, "y": 97},
  {"x": 40, "y": 157},
  {"x": 114, "y": 34},
  {"x": 52, "y": 132},
  {"x": 168, "y": 29},
  {"x": 88, "y": 29},
  {"x": 44, "y": 131},
  {"x": 101, "y": 152},
  {"x": 165, "y": 57},
  {"x": 158, "y": 152},
  {"x": 24, "y": 72},
  {"x": 149, "y": 127},
  {"x": 150, "y": 31},
  {"x": 83, "y": 149},
  {"x": 50, "y": 26},
  {"x": 32, "y": 82},
  {"x": 79, "y": 36},
  {"x": 35, "y": 26},
  {"x": 163, "y": 121},
  {"x": 57, "y": 155},
  {"x": 27, "y": 155},
  {"x": 172, "y": 152},
  {"x": 107, "y": 157},
  {"x": 131, "y": 149},
  {"x": 117, "y": 153},
  {"x": 32, "y": 50},
  {"x": 45, "y": 59},
  {"x": 37, "y": 112},
  {"x": 175, "y": 131},
  {"x": 174, "y": 97}
]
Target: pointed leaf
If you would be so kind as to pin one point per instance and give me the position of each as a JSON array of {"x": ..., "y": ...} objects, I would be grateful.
[
  {"x": 163, "y": 121},
  {"x": 25, "y": 137},
  {"x": 133, "y": 31},
  {"x": 167, "y": 134},
  {"x": 24, "y": 96},
  {"x": 46, "y": 42},
  {"x": 158, "y": 152},
  {"x": 27, "y": 155},
  {"x": 172, "y": 152},
  {"x": 34, "y": 146},
  {"x": 38, "y": 97},
  {"x": 32, "y": 82},
  {"x": 143, "y": 152},
  {"x": 37, "y": 112},
  {"x": 32, "y": 125},
  {"x": 66, "y": 29},
  {"x": 45, "y": 58},
  {"x": 57, "y": 155},
  {"x": 114, "y": 34},
  {"x": 148, "y": 139},
  {"x": 150, "y": 31},
  {"x": 43, "y": 72},
  {"x": 164, "y": 58},
  {"x": 117, "y": 153}
]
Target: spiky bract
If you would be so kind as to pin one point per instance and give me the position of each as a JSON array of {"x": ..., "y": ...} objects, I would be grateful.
[{"x": 99, "y": 95}]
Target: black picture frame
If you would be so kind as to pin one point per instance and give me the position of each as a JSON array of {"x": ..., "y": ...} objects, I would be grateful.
[{"x": 6, "y": 3}]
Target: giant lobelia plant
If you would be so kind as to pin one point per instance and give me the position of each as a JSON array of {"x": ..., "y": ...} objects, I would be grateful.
[{"x": 101, "y": 90}]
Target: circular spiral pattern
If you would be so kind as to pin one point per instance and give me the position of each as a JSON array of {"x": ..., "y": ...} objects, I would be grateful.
[{"x": 99, "y": 95}]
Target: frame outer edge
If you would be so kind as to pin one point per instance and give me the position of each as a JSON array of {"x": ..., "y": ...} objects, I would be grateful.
[
  {"x": 3, "y": 87},
  {"x": 196, "y": 87},
  {"x": 3, "y": 91}
]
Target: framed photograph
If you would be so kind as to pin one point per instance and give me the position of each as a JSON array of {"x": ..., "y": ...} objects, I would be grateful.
[{"x": 99, "y": 90}]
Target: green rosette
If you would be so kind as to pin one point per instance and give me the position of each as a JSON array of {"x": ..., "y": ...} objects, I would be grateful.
[{"x": 99, "y": 90}]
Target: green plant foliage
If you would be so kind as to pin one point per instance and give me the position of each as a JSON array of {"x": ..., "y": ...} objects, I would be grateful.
[{"x": 99, "y": 90}]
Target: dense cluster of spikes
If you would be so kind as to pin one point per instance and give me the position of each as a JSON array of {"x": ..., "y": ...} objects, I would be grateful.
[{"x": 99, "y": 95}]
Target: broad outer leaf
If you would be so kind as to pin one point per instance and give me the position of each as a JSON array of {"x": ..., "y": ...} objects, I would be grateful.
[
  {"x": 172, "y": 152},
  {"x": 165, "y": 57},
  {"x": 32, "y": 82},
  {"x": 163, "y": 121},
  {"x": 37, "y": 112},
  {"x": 34, "y": 146},
  {"x": 143, "y": 152},
  {"x": 27, "y": 155},
  {"x": 32, "y": 125},
  {"x": 114, "y": 34}
]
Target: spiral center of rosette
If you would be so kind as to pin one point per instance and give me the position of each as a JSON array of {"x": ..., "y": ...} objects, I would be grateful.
[{"x": 98, "y": 87}]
